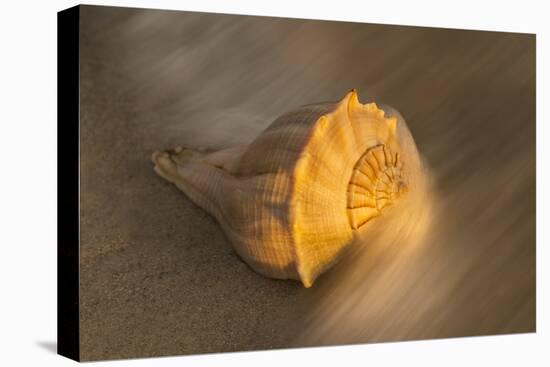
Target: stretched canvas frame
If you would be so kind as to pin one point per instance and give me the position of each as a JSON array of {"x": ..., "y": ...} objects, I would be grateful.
[{"x": 475, "y": 93}]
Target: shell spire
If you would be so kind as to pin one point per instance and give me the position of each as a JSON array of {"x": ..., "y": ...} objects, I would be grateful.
[{"x": 376, "y": 181}]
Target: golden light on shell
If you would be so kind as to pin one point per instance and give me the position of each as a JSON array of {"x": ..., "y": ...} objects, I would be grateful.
[{"x": 291, "y": 201}]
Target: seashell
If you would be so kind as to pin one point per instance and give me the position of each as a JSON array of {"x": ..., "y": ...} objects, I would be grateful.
[{"x": 293, "y": 199}]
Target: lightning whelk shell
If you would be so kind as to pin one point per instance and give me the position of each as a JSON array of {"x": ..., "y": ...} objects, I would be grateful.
[{"x": 292, "y": 200}]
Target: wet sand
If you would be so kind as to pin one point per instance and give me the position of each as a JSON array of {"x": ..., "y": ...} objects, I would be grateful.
[{"x": 158, "y": 277}]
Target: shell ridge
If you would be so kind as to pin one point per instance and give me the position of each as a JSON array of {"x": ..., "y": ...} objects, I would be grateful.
[{"x": 309, "y": 269}]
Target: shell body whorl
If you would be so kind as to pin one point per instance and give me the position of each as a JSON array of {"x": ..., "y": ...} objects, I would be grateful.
[{"x": 291, "y": 200}]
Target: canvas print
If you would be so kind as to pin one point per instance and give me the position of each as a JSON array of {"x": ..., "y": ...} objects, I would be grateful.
[{"x": 243, "y": 183}]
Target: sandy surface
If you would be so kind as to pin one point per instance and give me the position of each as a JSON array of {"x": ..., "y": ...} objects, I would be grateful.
[{"x": 158, "y": 276}]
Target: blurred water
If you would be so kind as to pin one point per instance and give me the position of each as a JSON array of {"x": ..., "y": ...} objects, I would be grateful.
[{"x": 456, "y": 259}]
